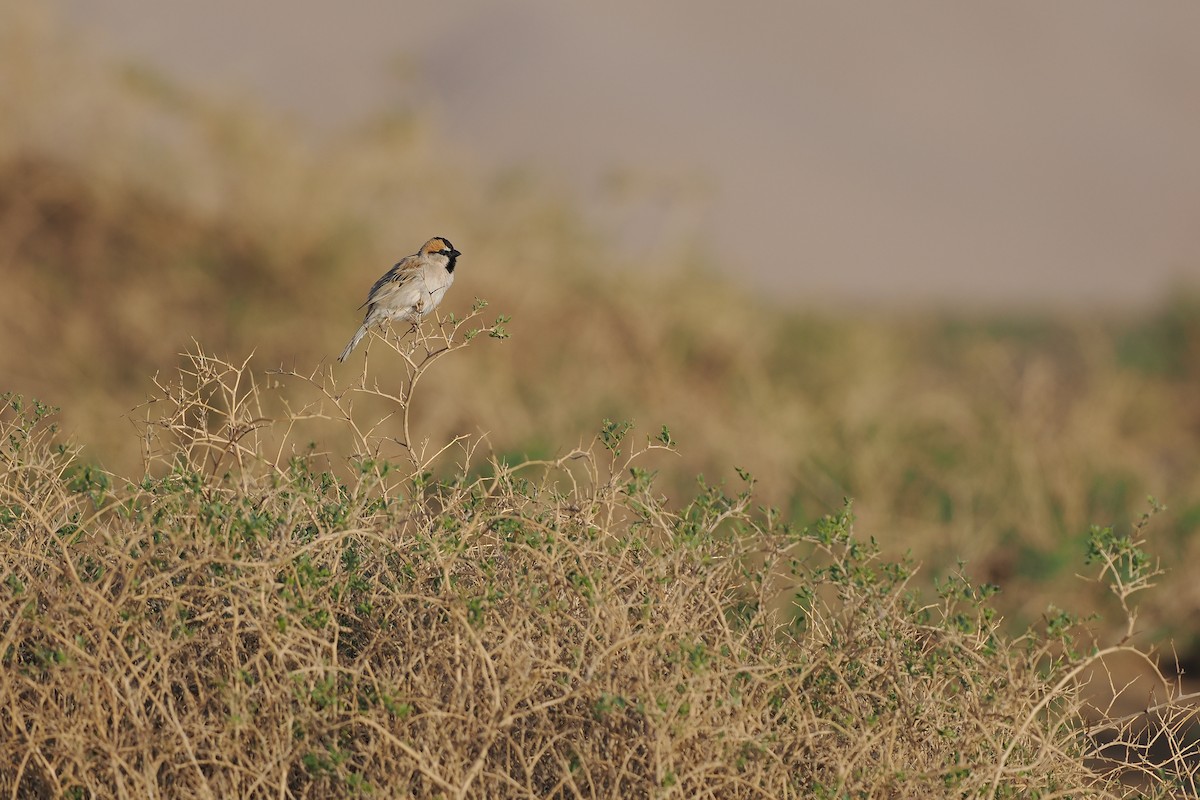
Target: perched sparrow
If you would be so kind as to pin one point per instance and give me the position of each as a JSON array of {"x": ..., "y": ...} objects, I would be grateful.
[{"x": 409, "y": 290}]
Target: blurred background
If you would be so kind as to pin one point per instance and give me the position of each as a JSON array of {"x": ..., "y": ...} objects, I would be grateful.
[
  {"x": 940, "y": 258},
  {"x": 989, "y": 155}
]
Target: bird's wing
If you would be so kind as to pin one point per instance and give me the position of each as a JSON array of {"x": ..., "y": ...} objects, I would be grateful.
[{"x": 401, "y": 273}]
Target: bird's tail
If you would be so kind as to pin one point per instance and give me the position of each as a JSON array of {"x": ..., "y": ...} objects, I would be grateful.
[{"x": 359, "y": 334}]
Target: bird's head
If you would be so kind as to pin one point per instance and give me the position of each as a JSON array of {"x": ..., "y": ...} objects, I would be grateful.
[{"x": 439, "y": 247}]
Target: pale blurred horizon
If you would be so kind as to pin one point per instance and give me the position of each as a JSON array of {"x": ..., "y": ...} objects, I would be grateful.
[{"x": 931, "y": 153}]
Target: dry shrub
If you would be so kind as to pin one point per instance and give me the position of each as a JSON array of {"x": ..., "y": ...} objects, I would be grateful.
[{"x": 254, "y": 617}]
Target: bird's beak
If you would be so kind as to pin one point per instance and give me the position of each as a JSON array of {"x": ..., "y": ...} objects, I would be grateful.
[{"x": 455, "y": 254}]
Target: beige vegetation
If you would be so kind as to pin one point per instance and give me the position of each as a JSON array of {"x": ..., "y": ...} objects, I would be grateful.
[
  {"x": 252, "y": 620},
  {"x": 279, "y": 628}
]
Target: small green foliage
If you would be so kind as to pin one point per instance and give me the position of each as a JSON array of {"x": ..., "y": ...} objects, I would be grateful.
[
  {"x": 608, "y": 704},
  {"x": 1059, "y": 624},
  {"x": 26, "y": 427},
  {"x": 420, "y": 482},
  {"x": 1118, "y": 553},
  {"x": 664, "y": 437},
  {"x": 498, "y": 330},
  {"x": 641, "y": 480},
  {"x": 89, "y": 480},
  {"x": 613, "y": 433},
  {"x": 833, "y": 528}
]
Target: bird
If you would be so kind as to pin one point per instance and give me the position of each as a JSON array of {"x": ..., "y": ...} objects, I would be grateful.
[{"x": 409, "y": 290}]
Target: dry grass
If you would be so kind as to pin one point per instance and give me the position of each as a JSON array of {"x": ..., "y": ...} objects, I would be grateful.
[{"x": 257, "y": 618}]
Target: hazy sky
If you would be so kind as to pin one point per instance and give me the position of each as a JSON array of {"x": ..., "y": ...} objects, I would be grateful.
[{"x": 872, "y": 151}]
